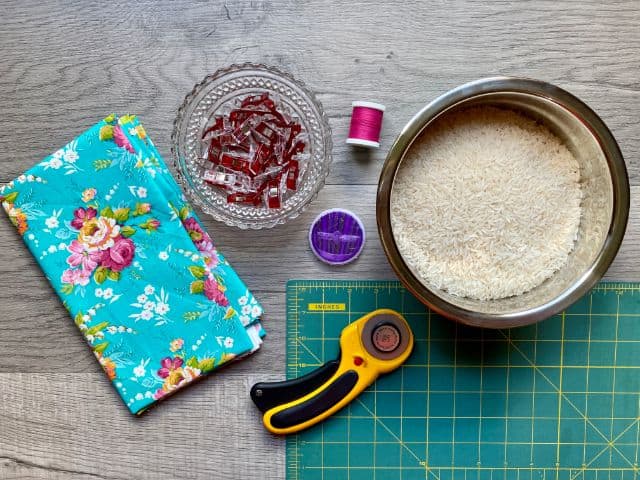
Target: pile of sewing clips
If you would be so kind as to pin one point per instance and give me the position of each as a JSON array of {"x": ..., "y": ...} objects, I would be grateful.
[{"x": 256, "y": 150}]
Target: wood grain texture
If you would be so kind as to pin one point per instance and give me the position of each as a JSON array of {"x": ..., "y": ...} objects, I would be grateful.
[{"x": 64, "y": 65}]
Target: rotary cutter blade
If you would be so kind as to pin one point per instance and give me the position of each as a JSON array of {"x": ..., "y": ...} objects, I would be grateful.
[{"x": 373, "y": 345}]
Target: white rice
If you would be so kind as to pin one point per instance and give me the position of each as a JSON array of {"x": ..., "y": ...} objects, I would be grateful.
[{"x": 486, "y": 204}]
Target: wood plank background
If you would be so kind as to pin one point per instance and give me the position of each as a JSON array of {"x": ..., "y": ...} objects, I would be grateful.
[{"x": 64, "y": 65}]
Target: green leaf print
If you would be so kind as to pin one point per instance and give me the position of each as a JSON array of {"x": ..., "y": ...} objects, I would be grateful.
[
  {"x": 124, "y": 119},
  {"x": 101, "y": 164},
  {"x": 197, "y": 271},
  {"x": 190, "y": 316},
  {"x": 110, "y": 118},
  {"x": 107, "y": 212},
  {"x": 111, "y": 275},
  {"x": 121, "y": 215},
  {"x": 141, "y": 209},
  {"x": 78, "y": 318},
  {"x": 66, "y": 288},
  {"x": 11, "y": 197},
  {"x": 197, "y": 286},
  {"x": 106, "y": 132},
  {"x": 97, "y": 328},
  {"x": 206, "y": 364},
  {"x": 127, "y": 231},
  {"x": 184, "y": 212},
  {"x": 101, "y": 347},
  {"x": 192, "y": 362},
  {"x": 100, "y": 275}
]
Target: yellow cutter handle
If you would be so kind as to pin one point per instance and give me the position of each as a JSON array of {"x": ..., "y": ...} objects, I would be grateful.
[{"x": 297, "y": 404}]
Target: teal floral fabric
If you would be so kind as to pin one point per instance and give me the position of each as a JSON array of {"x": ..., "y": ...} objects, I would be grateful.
[{"x": 116, "y": 238}]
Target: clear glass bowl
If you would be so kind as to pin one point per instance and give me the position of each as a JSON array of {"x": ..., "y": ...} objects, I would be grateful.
[{"x": 219, "y": 90}]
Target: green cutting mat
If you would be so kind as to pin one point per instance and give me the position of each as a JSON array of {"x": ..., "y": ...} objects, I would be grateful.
[{"x": 556, "y": 400}]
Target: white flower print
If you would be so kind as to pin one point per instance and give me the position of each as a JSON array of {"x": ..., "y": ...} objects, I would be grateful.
[
  {"x": 139, "y": 370},
  {"x": 111, "y": 329},
  {"x": 52, "y": 222},
  {"x": 107, "y": 293},
  {"x": 98, "y": 292},
  {"x": 228, "y": 342},
  {"x": 139, "y": 396},
  {"x": 152, "y": 306},
  {"x": 89, "y": 338},
  {"x": 121, "y": 329},
  {"x": 163, "y": 255},
  {"x": 256, "y": 311},
  {"x": 91, "y": 311},
  {"x": 86, "y": 318},
  {"x": 149, "y": 305},
  {"x": 65, "y": 157},
  {"x": 245, "y": 319},
  {"x": 54, "y": 163},
  {"x": 243, "y": 300},
  {"x": 148, "y": 394},
  {"x": 62, "y": 246},
  {"x": 70, "y": 156},
  {"x": 162, "y": 308},
  {"x": 141, "y": 192},
  {"x": 246, "y": 310}
]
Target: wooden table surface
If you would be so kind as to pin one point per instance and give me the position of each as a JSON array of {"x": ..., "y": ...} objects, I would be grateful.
[{"x": 65, "y": 65}]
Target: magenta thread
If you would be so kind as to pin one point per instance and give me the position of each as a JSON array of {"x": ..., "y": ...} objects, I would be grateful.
[{"x": 366, "y": 123}]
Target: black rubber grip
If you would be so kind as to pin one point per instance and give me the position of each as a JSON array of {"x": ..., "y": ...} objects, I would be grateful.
[
  {"x": 267, "y": 395},
  {"x": 317, "y": 405}
]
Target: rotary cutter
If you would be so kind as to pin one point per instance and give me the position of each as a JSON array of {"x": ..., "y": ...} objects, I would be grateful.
[{"x": 373, "y": 345}]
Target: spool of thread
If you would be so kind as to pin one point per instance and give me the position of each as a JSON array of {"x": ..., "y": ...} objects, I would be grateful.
[{"x": 366, "y": 123}]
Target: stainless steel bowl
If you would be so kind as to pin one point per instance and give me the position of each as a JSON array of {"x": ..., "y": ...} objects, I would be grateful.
[{"x": 605, "y": 204}]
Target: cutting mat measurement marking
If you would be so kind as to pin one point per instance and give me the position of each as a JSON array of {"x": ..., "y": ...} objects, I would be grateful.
[{"x": 579, "y": 373}]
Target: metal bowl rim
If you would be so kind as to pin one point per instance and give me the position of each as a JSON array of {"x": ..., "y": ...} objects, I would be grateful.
[{"x": 491, "y": 85}]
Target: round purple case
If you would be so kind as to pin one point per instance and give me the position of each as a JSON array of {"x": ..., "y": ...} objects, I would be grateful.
[{"x": 337, "y": 236}]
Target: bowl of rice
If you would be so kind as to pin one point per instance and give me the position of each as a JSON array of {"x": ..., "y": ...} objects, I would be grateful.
[{"x": 502, "y": 202}]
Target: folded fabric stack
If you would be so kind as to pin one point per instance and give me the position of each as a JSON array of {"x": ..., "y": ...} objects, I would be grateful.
[{"x": 133, "y": 264}]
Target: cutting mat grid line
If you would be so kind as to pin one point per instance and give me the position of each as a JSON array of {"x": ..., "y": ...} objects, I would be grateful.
[{"x": 555, "y": 400}]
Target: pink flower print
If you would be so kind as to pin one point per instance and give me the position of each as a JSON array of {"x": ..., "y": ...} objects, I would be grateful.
[
  {"x": 81, "y": 215},
  {"x": 76, "y": 276},
  {"x": 213, "y": 292},
  {"x": 169, "y": 366},
  {"x": 159, "y": 394},
  {"x": 206, "y": 244},
  {"x": 121, "y": 139},
  {"x": 80, "y": 256},
  {"x": 89, "y": 194},
  {"x": 194, "y": 229},
  {"x": 176, "y": 344},
  {"x": 120, "y": 255}
]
